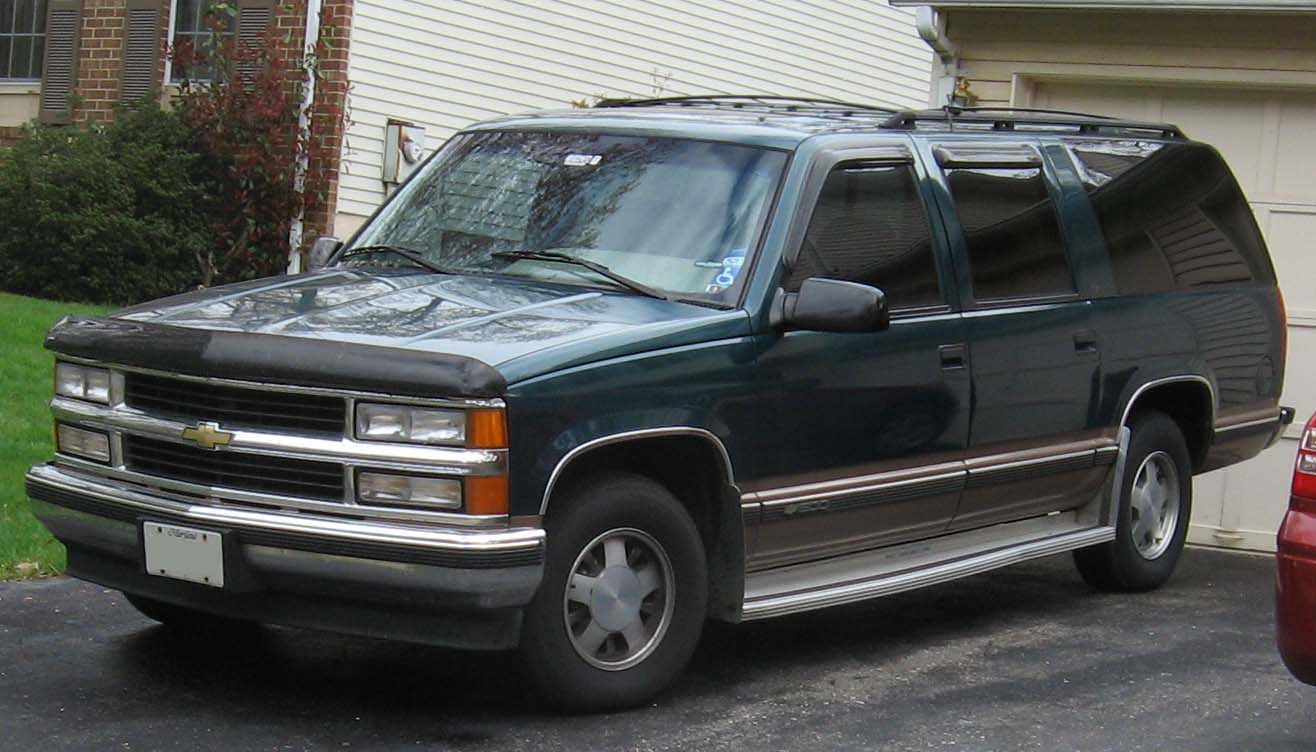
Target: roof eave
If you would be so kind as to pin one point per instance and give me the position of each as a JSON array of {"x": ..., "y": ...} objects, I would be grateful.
[{"x": 1244, "y": 6}]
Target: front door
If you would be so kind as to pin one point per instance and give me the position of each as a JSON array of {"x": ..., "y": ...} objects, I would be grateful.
[{"x": 869, "y": 428}]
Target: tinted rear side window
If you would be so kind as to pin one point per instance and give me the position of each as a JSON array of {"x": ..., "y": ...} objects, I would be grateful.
[
  {"x": 1013, "y": 237},
  {"x": 870, "y": 226},
  {"x": 1173, "y": 217}
]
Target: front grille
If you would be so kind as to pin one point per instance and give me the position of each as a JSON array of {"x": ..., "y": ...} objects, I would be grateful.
[
  {"x": 247, "y": 472},
  {"x": 235, "y": 407}
]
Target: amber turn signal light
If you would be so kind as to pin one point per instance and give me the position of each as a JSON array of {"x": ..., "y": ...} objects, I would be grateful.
[
  {"x": 486, "y": 494},
  {"x": 486, "y": 428}
]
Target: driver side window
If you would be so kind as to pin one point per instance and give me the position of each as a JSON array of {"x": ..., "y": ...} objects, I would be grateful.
[{"x": 870, "y": 226}]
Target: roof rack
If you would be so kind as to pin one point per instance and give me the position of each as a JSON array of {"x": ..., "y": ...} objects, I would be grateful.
[
  {"x": 1008, "y": 118},
  {"x": 756, "y": 103}
]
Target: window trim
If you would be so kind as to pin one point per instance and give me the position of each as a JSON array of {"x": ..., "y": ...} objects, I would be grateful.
[
  {"x": 896, "y": 152},
  {"x": 1005, "y": 156},
  {"x": 6, "y": 82}
]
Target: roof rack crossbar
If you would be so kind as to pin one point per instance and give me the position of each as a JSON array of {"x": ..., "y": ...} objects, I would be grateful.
[
  {"x": 755, "y": 102},
  {"x": 1007, "y": 118}
]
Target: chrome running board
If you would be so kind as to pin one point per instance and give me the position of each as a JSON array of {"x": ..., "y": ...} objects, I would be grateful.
[{"x": 885, "y": 571}]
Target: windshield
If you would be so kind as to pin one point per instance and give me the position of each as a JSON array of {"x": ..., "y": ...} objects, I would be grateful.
[{"x": 678, "y": 216}]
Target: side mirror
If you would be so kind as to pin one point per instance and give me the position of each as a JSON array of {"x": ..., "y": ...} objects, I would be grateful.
[
  {"x": 322, "y": 249},
  {"x": 835, "y": 305}
]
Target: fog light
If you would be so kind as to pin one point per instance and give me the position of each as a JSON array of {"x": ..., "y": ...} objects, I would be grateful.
[
  {"x": 408, "y": 490},
  {"x": 81, "y": 382},
  {"x": 83, "y": 443}
]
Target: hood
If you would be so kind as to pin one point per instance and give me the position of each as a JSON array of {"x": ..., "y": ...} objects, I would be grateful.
[{"x": 521, "y": 327}]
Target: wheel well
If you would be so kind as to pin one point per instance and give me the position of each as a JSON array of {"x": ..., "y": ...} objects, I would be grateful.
[
  {"x": 694, "y": 469},
  {"x": 688, "y": 466},
  {"x": 1188, "y": 403}
]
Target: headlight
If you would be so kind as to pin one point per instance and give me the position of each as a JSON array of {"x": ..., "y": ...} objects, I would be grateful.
[
  {"x": 415, "y": 425},
  {"x": 82, "y": 382},
  {"x": 408, "y": 490},
  {"x": 83, "y": 443}
]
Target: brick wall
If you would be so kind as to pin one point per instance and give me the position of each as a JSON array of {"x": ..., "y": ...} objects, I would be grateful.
[
  {"x": 100, "y": 52},
  {"x": 9, "y": 135},
  {"x": 329, "y": 116}
]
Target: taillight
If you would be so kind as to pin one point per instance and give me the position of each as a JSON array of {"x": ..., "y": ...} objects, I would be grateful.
[{"x": 1304, "y": 472}]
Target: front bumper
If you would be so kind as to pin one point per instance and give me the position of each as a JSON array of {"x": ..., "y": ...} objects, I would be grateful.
[{"x": 443, "y": 586}]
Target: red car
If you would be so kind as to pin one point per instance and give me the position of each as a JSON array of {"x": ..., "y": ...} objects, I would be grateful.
[{"x": 1295, "y": 581}]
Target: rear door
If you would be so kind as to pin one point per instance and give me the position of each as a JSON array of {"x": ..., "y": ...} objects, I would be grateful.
[{"x": 1034, "y": 446}]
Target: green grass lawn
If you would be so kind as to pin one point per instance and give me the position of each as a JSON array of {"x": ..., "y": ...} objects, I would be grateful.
[{"x": 26, "y": 549}]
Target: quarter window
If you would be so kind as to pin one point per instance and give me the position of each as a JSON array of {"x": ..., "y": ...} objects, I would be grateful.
[
  {"x": 22, "y": 39},
  {"x": 870, "y": 226},
  {"x": 1013, "y": 237},
  {"x": 1172, "y": 215}
]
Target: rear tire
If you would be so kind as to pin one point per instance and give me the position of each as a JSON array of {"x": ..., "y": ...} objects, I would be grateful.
[
  {"x": 1155, "y": 504},
  {"x": 624, "y": 595}
]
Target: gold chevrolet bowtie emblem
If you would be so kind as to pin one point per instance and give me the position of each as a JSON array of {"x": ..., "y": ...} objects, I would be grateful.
[{"x": 207, "y": 435}]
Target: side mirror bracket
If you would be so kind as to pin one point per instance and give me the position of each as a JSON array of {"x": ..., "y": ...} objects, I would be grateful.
[{"x": 322, "y": 250}]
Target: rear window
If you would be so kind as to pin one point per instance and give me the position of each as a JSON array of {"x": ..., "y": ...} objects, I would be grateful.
[{"x": 1173, "y": 217}]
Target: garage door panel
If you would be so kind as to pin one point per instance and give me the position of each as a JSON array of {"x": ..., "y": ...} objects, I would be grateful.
[
  {"x": 1291, "y": 235},
  {"x": 1295, "y": 169}
]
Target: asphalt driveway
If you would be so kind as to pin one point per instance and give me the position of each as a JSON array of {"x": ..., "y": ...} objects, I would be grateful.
[{"x": 1024, "y": 658}]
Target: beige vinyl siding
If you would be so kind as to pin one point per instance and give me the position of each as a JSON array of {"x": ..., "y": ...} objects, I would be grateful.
[
  {"x": 1004, "y": 53},
  {"x": 444, "y": 65}
]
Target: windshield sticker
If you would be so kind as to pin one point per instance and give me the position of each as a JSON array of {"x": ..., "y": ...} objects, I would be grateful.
[
  {"x": 731, "y": 266},
  {"x": 714, "y": 289},
  {"x": 582, "y": 160}
]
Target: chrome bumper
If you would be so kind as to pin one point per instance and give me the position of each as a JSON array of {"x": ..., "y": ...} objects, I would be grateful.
[{"x": 387, "y": 565}]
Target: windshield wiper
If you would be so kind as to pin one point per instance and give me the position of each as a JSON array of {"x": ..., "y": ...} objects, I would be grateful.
[
  {"x": 593, "y": 266},
  {"x": 414, "y": 257}
]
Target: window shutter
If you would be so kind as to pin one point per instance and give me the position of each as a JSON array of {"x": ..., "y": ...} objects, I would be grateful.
[
  {"x": 141, "y": 50},
  {"x": 60, "y": 69},
  {"x": 254, "y": 17}
]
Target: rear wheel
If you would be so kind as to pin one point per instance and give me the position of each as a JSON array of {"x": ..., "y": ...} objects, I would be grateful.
[
  {"x": 624, "y": 595},
  {"x": 1155, "y": 503}
]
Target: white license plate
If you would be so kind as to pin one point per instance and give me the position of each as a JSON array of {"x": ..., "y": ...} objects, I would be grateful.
[{"x": 184, "y": 553}]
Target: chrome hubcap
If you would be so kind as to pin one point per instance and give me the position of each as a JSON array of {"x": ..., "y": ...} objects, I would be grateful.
[
  {"x": 1154, "y": 505},
  {"x": 618, "y": 601}
]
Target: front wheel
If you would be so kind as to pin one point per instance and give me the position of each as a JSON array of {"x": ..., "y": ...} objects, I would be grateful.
[
  {"x": 624, "y": 595},
  {"x": 1155, "y": 503}
]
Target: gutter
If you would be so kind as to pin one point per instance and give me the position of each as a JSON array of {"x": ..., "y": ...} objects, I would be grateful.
[
  {"x": 931, "y": 25},
  {"x": 298, "y": 225}
]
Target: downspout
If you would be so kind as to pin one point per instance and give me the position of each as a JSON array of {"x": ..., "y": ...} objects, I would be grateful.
[
  {"x": 298, "y": 225},
  {"x": 931, "y": 26}
]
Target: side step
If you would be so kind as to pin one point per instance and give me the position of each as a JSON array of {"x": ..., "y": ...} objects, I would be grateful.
[{"x": 885, "y": 571}]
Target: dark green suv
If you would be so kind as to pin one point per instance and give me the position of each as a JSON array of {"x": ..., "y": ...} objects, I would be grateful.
[{"x": 593, "y": 377}]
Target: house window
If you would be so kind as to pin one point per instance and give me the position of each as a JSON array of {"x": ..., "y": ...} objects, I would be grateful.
[
  {"x": 193, "y": 29},
  {"x": 22, "y": 39}
]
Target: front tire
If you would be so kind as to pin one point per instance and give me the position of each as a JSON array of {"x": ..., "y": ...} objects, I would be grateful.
[
  {"x": 624, "y": 595},
  {"x": 1155, "y": 504}
]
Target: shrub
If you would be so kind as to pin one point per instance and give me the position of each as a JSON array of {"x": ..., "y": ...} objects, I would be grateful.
[
  {"x": 246, "y": 122},
  {"x": 104, "y": 214}
]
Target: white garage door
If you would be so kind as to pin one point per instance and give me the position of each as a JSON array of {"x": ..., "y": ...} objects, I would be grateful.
[{"x": 1269, "y": 138}]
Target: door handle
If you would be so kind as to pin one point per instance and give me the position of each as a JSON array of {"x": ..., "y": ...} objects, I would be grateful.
[
  {"x": 1085, "y": 341},
  {"x": 952, "y": 357}
]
